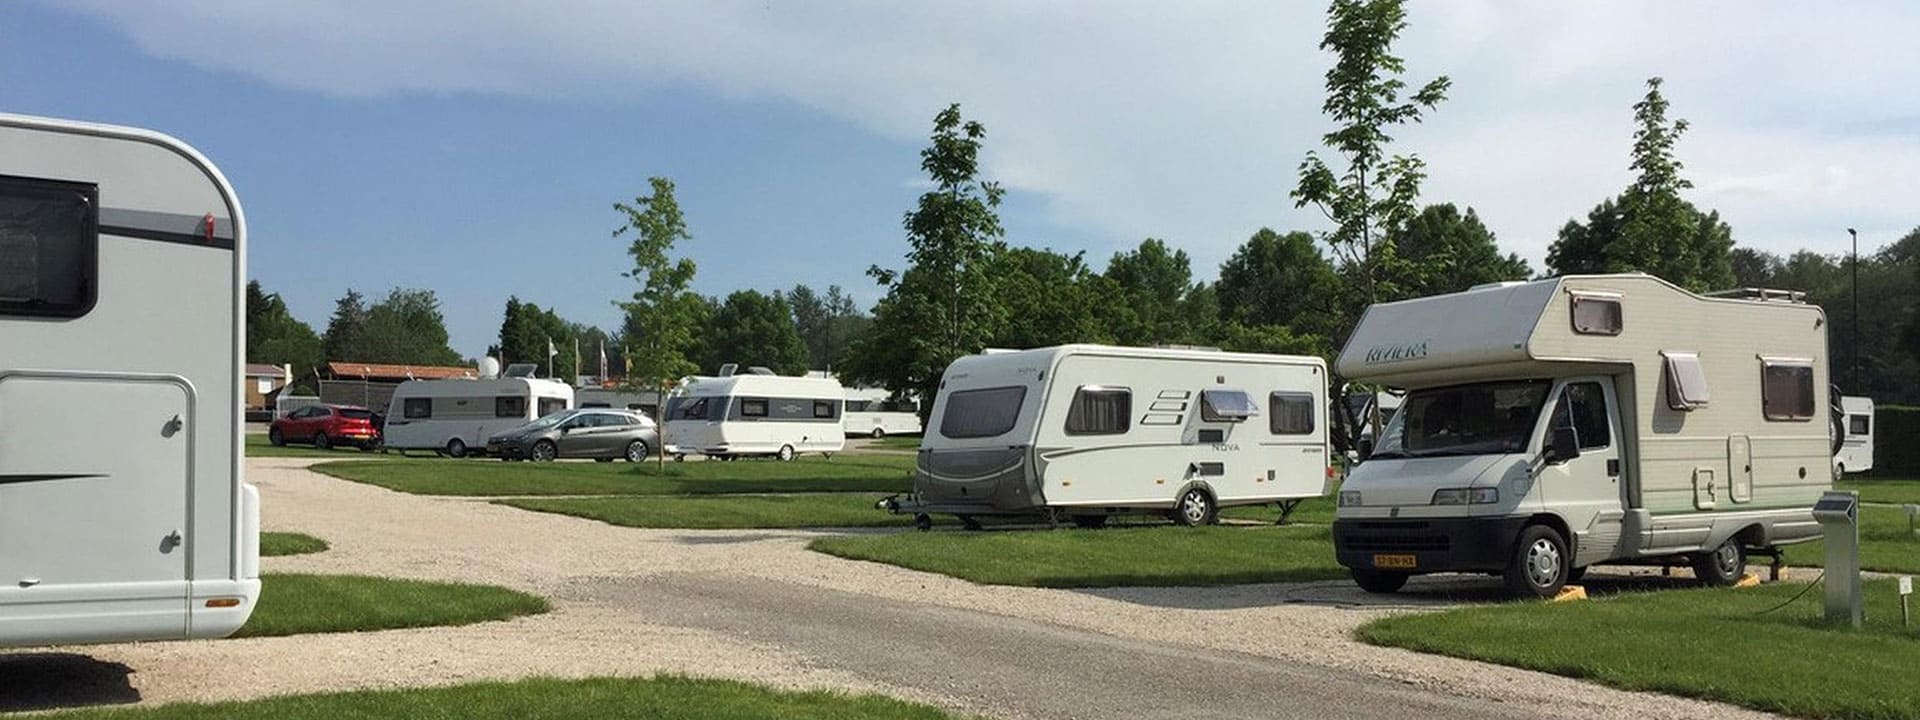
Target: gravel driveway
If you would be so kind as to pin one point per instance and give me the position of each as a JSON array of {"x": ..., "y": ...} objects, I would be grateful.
[{"x": 756, "y": 605}]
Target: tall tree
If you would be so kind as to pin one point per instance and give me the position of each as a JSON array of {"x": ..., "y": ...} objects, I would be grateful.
[
  {"x": 275, "y": 336},
  {"x": 752, "y": 328},
  {"x": 663, "y": 313},
  {"x": 1754, "y": 268},
  {"x": 1376, "y": 193},
  {"x": 1446, "y": 251},
  {"x": 1050, "y": 299},
  {"x": 1650, "y": 228},
  {"x": 345, "y": 340},
  {"x": 827, "y": 323},
  {"x": 1153, "y": 292},
  {"x": 406, "y": 327},
  {"x": 1276, "y": 279},
  {"x": 528, "y": 332}
]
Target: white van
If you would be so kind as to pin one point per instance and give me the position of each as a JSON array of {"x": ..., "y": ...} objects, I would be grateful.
[
  {"x": 1562, "y": 423},
  {"x": 124, "y": 514},
  {"x": 874, "y": 413},
  {"x": 1088, "y": 431},
  {"x": 457, "y": 416},
  {"x": 755, "y": 414},
  {"x": 1856, "y": 452}
]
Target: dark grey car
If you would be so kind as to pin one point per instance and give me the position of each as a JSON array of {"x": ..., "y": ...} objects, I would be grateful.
[{"x": 604, "y": 435}]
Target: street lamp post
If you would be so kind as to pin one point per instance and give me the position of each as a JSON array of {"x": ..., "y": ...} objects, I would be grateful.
[{"x": 1856, "y": 308}]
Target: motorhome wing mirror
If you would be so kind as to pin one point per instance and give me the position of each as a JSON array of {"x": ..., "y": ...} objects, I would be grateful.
[
  {"x": 1365, "y": 446},
  {"x": 1563, "y": 445}
]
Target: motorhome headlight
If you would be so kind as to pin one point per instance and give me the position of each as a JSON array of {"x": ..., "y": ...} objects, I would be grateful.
[
  {"x": 1466, "y": 496},
  {"x": 1349, "y": 498}
]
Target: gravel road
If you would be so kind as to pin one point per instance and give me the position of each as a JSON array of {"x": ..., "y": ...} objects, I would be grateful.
[{"x": 756, "y": 605}]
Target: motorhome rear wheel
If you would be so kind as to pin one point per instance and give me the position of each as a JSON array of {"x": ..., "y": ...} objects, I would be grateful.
[{"x": 1722, "y": 566}]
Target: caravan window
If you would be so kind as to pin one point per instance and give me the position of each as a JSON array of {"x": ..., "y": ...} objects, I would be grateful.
[
  {"x": 1686, "y": 382},
  {"x": 1859, "y": 424},
  {"x": 1292, "y": 413},
  {"x": 1099, "y": 410},
  {"x": 823, "y": 409},
  {"x": 549, "y": 406},
  {"x": 1597, "y": 314},
  {"x": 982, "y": 413},
  {"x": 509, "y": 406},
  {"x": 49, "y": 244},
  {"x": 1226, "y": 406},
  {"x": 1786, "y": 389},
  {"x": 417, "y": 408},
  {"x": 753, "y": 407},
  {"x": 858, "y": 405}
]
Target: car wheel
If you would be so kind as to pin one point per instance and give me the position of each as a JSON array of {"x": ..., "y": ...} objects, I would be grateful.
[
  {"x": 1195, "y": 508},
  {"x": 545, "y": 451},
  {"x": 276, "y": 439},
  {"x": 786, "y": 453},
  {"x": 1723, "y": 565},
  {"x": 680, "y": 458},
  {"x": 1090, "y": 522},
  {"x": 457, "y": 448},
  {"x": 1538, "y": 568},
  {"x": 322, "y": 442},
  {"x": 878, "y": 434},
  {"x": 1379, "y": 582},
  {"x": 637, "y": 451}
]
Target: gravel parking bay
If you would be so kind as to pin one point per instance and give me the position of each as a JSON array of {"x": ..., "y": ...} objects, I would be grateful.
[{"x": 756, "y": 605}]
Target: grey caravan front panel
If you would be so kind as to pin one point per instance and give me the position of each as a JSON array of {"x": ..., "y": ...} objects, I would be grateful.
[{"x": 997, "y": 481}]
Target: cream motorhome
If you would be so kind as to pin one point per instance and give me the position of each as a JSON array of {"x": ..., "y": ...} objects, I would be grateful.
[
  {"x": 757, "y": 413},
  {"x": 875, "y": 413},
  {"x": 457, "y": 416},
  {"x": 1087, "y": 431},
  {"x": 124, "y": 514},
  {"x": 1856, "y": 452},
  {"x": 1561, "y": 423}
]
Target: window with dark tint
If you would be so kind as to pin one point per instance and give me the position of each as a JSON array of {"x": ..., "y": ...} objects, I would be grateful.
[
  {"x": 1595, "y": 315},
  {"x": 417, "y": 408},
  {"x": 1583, "y": 407},
  {"x": 1859, "y": 424},
  {"x": 49, "y": 242},
  {"x": 356, "y": 414},
  {"x": 858, "y": 405},
  {"x": 823, "y": 409},
  {"x": 753, "y": 407},
  {"x": 690, "y": 409},
  {"x": 549, "y": 406},
  {"x": 1292, "y": 413},
  {"x": 508, "y": 406},
  {"x": 1100, "y": 410},
  {"x": 1226, "y": 406},
  {"x": 1786, "y": 390},
  {"x": 982, "y": 413}
]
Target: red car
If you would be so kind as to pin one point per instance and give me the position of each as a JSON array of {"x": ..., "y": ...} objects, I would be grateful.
[{"x": 326, "y": 426}]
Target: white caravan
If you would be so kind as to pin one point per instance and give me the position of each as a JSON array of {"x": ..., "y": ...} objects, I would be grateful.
[
  {"x": 1088, "y": 431},
  {"x": 755, "y": 414},
  {"x": 457, "y": 416},
  {"x": 1561, "y": 423},
  {"x": 872, "y": 412},
  {"x": 124, "y": 514},
  {"x": 1856, "y": 452}
]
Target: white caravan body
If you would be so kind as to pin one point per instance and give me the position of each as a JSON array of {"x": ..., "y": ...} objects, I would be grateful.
[
  {"x": 1702, "y": 426},
  {"x": 457, "y": 416},
  {"x": 1091, "y": 430},
  {"x": 872, "y": 412},
  {"x": 740, "y": 415},
  {"x": 1856, "y": 452},
  {"x": 124, "y": 514}
]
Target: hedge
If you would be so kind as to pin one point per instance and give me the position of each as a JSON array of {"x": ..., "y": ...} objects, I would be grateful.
[{"x": 1895, "y": 430}]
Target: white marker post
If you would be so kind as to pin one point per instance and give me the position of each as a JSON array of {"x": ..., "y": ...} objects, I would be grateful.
[{"x": 1906, "y": 591}]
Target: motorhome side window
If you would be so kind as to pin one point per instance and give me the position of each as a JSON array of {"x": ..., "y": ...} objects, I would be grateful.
[
  {"x": 1099, "y": 410},
  {"x": 549, "y": 406},
  {"x": 417, "y": 408},
  {"x": 49, "y": 242},
  {"x": 982, "y": 413},
  {"x": 1596, "y": 315},
  {"x": 1292, "y": 413},
  {"x": 823, "y": 410},
  {"x": 1583, "y": 407},
  {"x": 1786, "y": 389},
  {"x": 1223, "y": 405},
  {"x": 508, "y": 406}
]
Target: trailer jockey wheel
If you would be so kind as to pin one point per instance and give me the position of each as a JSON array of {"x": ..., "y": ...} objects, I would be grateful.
[{"x": 923, "y": 522}]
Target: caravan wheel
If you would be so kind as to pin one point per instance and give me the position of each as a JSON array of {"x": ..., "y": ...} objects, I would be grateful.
[
  {"x": 1195, "y": 508},
  {"x": 457, "y": 448},
  {"x": 878, "y": 434},
  {"x": 786, "y": 453}
]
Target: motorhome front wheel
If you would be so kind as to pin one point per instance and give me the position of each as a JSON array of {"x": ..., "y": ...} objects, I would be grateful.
[{"x": 1539, "y": 564}]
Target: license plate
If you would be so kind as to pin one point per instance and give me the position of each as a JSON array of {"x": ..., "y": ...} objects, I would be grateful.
[{"x": 1395, "y": 562}]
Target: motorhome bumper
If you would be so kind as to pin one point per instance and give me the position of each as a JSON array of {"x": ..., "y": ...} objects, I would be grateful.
[{"x": 1426, "y": 545}]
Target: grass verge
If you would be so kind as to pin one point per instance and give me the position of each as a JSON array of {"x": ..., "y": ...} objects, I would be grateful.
[
  {"x": 548, "y": 699},
  {"x": 723, "y": 512},
  {"x": 1313, "y": 511},
  {"x": 1712, "y": 644},
  {"x": 294, "y": 604},
  {"x": 868, "y": 473},
  {"x": 1883, "y": 490},
  {"x": 256, "y": 445},
  {"x": 275, "y": 544},
  {"x": 896, "y": 442},
  {"x": 1156, "y": 556},
  {"x": 1885, "y": 544}
]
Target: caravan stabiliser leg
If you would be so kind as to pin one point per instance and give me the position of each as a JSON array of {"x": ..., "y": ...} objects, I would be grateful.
[{"x": 1286, "y": 511}]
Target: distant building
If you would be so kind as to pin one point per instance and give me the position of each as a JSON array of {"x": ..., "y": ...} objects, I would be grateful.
[
  {"x": 262, "y": 383},
  {"x": 370, "y": 385}
]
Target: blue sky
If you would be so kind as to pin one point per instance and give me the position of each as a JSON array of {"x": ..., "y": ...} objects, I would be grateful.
[{"x": 475, "y": 148}]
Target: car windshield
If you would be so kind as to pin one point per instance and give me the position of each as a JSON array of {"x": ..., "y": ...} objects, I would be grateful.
[
  {"x": 1478, "y": 419},
  {"x": 550, "y": 420}
]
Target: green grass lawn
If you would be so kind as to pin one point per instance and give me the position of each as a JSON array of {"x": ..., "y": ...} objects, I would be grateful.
[
  {"x": 1315, "y": 511},
  {"x": 1708, "y": 643},
  {"x": 897, "y": 442},
  {"x": 294, "y": 604},
  {"x": 257, "y": 446},
  {"x": 274, "y": 544},
  {"x": 724, "y": 512},
  {"x": 1112, "y": 557},
  {"x": 845, "y": 473},
  {"x": 1885, "y": 544},
  {"x": 1883, "y": 490},
  {"x": 659, "y": 698}
]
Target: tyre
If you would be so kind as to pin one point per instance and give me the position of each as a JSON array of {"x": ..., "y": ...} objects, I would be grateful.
[
  {"x": 275, "y": 439},
  {"x": 1379, "y": 582},
  {"x": 1723, "y": 565},
  {"x": 923, "y": 522},
  {"x": 1540, "y": 563},
  {"x": 544, "y": 451},
  {"x": 637, "y": 452},
  {"x": 322, "y": 442},
  {"x": 457, "y": 448},
  {"x": 1090, "y": 522},
  {"x": 1195, "y": 508},
  {"x": 680, "y": 458},
  {"x": 786, "y": 453},
  {"x": 878, "y": 434}
]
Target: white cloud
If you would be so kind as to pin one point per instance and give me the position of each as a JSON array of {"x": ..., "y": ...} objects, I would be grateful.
[{"x": 1185, "y": 120}]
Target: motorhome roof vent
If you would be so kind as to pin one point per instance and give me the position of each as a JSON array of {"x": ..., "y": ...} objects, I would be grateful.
[
  {"x": 758, "y": 370},
  {"x": 1201, "y": 348},
  {"x": 1760, "y": 294},
  {"x": 522, "y": 370},
  {"x": 728, "y": 369},
  {"x": 1501, "y": 284}
]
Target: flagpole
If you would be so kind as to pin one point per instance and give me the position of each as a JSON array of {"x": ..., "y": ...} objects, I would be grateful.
[{"x": 550, "y": 353}]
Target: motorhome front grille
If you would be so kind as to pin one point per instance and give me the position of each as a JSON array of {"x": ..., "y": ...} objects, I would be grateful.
[{"x": 1397, "y": 542}]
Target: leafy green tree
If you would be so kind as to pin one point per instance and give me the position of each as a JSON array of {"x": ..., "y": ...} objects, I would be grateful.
[
  {"x": 1276, "y": 279},
  {"x": 275, "y": 336},
  {"x": 1446, "y": 251},
  {"x": 407, "y": 328},
  {"x": 1376, "y": 192},
  {"x": 1153, "y": 291},
  {"x": 750, "y": 329},
  {"x": 663, "y": 313},
  {"x": 827, "y": 323},
  {"x": 528, "y": 332},
  {"x": 1050, "y": 299},
  {"x": 345, "y": 340},
  {"x": 1650, "y": 228},
  {"x": 1754, "y": 268},
  {"x": 1275, "y": 339}
]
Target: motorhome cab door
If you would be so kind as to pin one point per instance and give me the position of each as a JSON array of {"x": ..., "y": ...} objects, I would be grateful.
[{"x": 1587, "y": 489}]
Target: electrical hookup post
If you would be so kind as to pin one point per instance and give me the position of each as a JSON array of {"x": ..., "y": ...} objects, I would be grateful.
[{"x": 1838, "y": 513}]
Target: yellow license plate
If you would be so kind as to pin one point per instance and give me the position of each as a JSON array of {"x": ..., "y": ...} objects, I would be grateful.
[{"x": 1395, "y": 562}]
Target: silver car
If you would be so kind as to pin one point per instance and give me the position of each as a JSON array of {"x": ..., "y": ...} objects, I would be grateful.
[{"x": 604, "y": 435}]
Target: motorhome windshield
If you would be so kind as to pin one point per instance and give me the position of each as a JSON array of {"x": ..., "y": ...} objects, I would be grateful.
[{"x": 1478, "y": 419}]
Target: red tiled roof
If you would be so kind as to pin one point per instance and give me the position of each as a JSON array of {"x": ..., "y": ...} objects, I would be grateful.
[
  {"x": 397, "y": 372},
  {"x": 264, "y": 370}
]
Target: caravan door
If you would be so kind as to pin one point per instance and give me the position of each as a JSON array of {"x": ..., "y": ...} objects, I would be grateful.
[{"x": 1586, "y": 490}]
